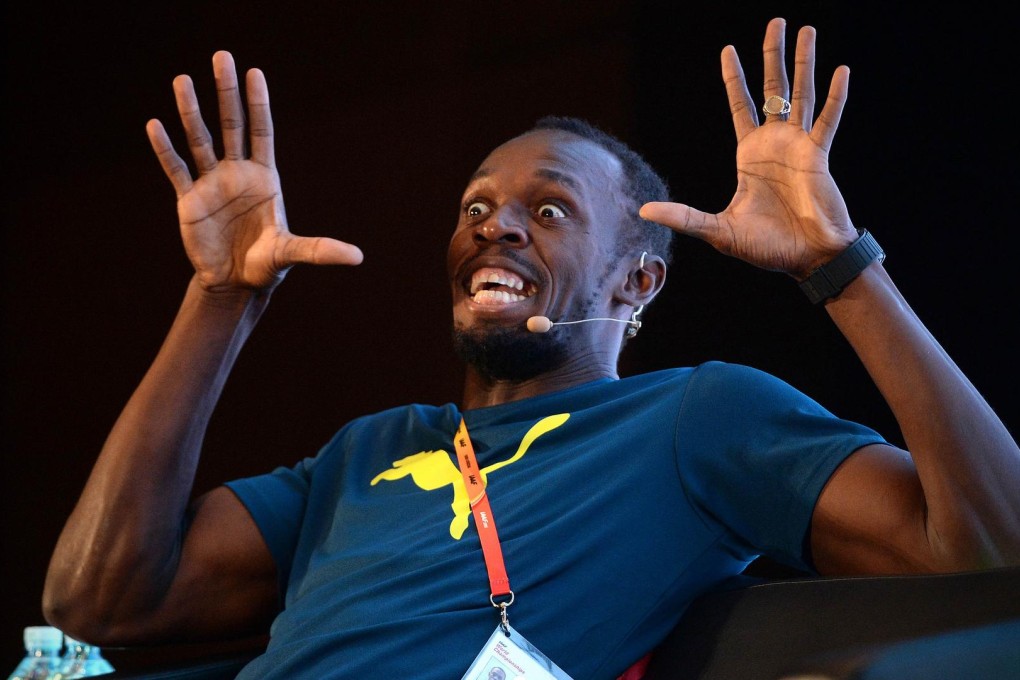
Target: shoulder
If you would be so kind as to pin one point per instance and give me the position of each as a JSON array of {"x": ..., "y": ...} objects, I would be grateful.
[
  {"x": 743, "y": 402},
  {"x": 708, "y": 370},
  {"x": 739, "y": 383},
  {"x": 407, "y": 414},
  {"x": 726, "y": 373},
  {"x": 713, "y": 379},
  {"x": 393, "y": 429}
]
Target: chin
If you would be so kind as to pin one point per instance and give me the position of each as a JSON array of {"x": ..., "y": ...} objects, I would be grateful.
[{"x": 501, "y": 353}]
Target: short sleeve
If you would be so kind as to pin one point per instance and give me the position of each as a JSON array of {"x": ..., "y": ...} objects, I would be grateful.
[
  {"x": 754, "y": 454},
  {"x": 277, "y": 501}
]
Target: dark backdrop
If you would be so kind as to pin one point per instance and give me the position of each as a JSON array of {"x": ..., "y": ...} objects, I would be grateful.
[{"x": 382, "y": 111}]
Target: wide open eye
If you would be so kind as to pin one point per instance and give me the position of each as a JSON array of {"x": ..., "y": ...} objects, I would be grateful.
[
  {"x": 551, "y": 210},
  {"x": 477, "y": 208}
]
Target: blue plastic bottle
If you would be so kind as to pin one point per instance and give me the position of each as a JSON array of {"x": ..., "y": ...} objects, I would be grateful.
[
  {"x": 42, "y": 654},
  {"x": 81, "y": 660}
]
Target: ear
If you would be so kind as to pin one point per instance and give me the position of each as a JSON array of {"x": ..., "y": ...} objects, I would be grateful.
[{"x": 645, "y": 277}]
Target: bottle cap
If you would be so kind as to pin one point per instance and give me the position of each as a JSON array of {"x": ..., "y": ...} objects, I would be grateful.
[{"x": 44, "y": 637}]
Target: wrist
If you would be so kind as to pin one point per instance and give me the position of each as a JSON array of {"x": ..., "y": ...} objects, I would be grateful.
[
  {"x": 829, "y": 280},
  {"x": 226, "y": 298}
]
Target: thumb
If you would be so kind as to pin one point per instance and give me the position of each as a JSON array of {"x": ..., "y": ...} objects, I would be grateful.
[
  {"x": 679, "y": 217},
  {"x": 319, "y": 250}
]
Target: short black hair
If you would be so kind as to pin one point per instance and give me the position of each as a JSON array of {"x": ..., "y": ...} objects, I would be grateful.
[{"x": 641, "y": 184}]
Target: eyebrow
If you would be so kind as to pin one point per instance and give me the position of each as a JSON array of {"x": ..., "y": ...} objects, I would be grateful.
[
  {"x": 553, "y": 175},
  {"x": 559, "y": 178}
]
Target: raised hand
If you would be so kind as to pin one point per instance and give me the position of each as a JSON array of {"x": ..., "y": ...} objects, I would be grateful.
[
  {"x": 787, "y": 213},
  {"x": 232, "y": 217}
]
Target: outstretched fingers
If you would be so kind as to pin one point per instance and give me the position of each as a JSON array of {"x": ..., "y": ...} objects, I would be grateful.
[
  {"x": 803, "y": 97},
  {"x": 683, "y": 219},
  {"x": 199, "y": 140},
  {"x": 231, "y": 111},
  {"x": 173, "y": 165},
  {"x": 319, "y": 250},
  {"x": 745, "y": 117},
  {"x": 828, "y": 120},
  {"x": 260, "y": 126},
  {"x": 777, "y": 83}
]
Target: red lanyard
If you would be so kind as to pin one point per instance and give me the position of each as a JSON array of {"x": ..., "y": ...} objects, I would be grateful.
[{"x": 499, "y": 583}]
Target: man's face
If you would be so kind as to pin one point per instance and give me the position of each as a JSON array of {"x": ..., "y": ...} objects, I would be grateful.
[{"x": 537, "y": 236}]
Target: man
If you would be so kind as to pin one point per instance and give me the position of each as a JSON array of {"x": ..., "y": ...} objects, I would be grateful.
[{"x": 617, "y": 501}]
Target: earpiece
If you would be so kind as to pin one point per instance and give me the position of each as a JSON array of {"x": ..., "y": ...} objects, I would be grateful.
[{"x": 542, "y": 324}]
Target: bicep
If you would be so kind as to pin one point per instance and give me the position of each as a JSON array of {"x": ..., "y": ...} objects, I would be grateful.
[
  {"x": 225, "y": 584},
  {"x": 871, "y": 516}
]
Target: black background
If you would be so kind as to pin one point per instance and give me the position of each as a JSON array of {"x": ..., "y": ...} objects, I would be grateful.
[{"x": 382, "y": 111}]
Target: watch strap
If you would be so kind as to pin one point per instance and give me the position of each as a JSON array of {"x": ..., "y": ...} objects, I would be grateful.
[{"x": 832, "y": 277}]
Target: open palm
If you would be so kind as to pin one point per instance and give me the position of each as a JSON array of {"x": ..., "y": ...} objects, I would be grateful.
[
  {"x": 787, "y": 213},
  {"x": 232, "y": 216}
]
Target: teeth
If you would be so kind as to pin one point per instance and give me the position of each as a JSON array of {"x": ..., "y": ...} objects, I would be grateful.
[
  {"x": 499, "y": 278},
  {"x": 497, "y": 297},
  {"x": 505, "y": 281}
]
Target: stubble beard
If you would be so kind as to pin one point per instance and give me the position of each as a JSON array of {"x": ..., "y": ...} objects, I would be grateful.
[{"x": 501, "y": 353}]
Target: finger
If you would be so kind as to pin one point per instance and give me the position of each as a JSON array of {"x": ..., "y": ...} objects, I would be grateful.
[
  {"x": 173, "y": 165},
  {"x": 828, "y": 120},
  {"x": 261, "y": 120},
  {"x": 681, "y": 218},
  {"x": 231, "y": 111},
  {"x": 745, "y": 116},
  {"x": 802, "y": 101},
  {"x": 199, "y": 139},
  {"x": 774, "y": 55},
  {"x": 319, "y": 250}
]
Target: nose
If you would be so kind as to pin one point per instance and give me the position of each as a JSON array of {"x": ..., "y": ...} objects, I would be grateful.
[{"x": 506, "y": 226}]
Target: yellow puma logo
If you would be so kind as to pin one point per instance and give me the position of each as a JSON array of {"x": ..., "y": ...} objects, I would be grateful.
[{"x": 432, "y": 470}]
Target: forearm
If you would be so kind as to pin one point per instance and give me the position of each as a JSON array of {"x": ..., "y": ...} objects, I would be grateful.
[
  {"x": 120, "y": 546},
  {"x": 967, "y": 461}
]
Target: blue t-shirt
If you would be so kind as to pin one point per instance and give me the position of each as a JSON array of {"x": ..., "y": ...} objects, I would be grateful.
[{"x": 617, "y": 502}]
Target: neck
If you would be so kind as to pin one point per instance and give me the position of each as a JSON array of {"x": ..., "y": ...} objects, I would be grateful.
[{"x": 481, "y": 391}]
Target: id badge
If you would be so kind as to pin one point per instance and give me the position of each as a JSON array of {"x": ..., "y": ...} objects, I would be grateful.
[{"x": 512, "y": 657}]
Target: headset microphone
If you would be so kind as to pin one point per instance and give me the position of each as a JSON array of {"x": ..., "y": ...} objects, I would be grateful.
[{"x": 542, "y": 324}]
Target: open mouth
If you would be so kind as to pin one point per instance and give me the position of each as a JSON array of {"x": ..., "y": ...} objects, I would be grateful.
[{"x": 495, "y": 286}]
